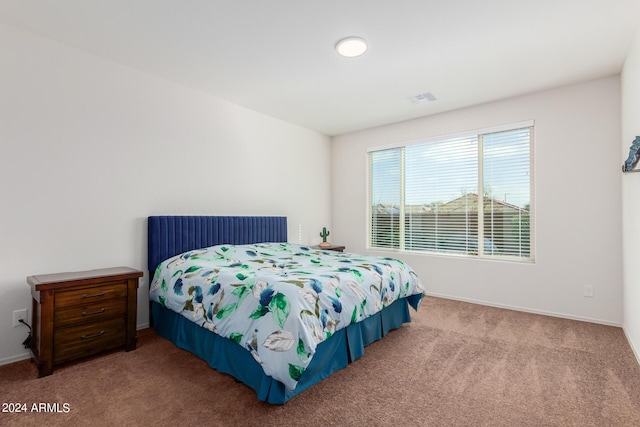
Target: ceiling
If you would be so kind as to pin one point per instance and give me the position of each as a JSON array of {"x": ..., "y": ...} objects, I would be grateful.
[{"x": 277, "y": 57}]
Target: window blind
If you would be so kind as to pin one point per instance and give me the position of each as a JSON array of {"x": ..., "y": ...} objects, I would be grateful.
[
  {"x": 468, "y": 194},
  {"x": 385, "y": 178}
]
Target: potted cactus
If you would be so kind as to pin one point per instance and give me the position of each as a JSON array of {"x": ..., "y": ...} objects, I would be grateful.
[{"x": 324, "y": 235}]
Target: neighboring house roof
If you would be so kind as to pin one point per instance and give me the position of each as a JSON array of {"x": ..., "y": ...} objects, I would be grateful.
[
  {"x": 465, "y": 203},
  {"x": 469, "y": 203},
  {"x": 387, "y": 209}
]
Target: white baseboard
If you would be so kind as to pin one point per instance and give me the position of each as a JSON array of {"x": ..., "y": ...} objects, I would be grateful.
[
  {"x": 635, "y": 351},
  {"x": 16, "y": 358},
  {"x": 527, "y": 310}
]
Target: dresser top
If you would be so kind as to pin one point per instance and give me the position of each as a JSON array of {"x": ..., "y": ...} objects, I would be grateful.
[{"x": 83, "y": 276}]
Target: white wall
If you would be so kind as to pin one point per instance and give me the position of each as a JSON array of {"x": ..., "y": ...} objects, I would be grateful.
[
  {"x": 90, "y": 148},
  {"x": 631, "y": 196},
  {"x": 577, "y": 206}
]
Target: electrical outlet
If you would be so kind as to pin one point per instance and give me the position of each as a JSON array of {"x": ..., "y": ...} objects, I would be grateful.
[
  {"x": 19, "y": 314},
  {"x": 587, "y": 291}
]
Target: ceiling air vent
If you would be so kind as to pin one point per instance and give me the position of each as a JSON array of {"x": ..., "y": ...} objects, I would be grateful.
[{"x": 422, "y": 98}]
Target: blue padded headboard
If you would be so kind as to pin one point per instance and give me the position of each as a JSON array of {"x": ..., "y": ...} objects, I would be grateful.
[{"x": 173, "y": 235}]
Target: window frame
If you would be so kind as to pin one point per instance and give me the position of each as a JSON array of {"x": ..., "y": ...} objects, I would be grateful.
[{"x": 479, "y": 133}]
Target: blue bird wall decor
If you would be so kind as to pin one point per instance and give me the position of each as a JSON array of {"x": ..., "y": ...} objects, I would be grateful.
[{"x": 634, "y": 154}]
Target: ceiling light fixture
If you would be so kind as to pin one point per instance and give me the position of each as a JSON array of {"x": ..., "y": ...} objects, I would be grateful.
[{"x": 351, "y": 47}]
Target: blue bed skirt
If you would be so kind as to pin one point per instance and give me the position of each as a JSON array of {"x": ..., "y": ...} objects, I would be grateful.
[{"x": 224, "y": 355}]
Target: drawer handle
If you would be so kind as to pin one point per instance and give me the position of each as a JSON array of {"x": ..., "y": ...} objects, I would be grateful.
[
  {"x": 89, "y": 313},
  {"x": 85, "y": 337},
  {"x": 100, "y": 294}
]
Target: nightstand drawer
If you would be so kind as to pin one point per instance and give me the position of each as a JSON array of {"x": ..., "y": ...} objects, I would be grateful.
[
  {"x": 79, "y": 341},
  {"x": 90, "y": 295},
  {"x": 90, "y": 312}
]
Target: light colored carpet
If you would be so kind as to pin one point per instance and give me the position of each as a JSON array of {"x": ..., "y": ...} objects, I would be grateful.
[{"x": 456, "y": 364}]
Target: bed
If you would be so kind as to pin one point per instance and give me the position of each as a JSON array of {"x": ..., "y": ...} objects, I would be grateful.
[{"x": 305, "y": 313}]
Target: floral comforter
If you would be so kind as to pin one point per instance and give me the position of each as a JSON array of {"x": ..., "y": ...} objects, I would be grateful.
[{"x": 279, "y": 300}]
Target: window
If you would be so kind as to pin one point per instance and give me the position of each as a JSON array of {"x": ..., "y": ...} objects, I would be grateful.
[{"x": 467, "y": 194}]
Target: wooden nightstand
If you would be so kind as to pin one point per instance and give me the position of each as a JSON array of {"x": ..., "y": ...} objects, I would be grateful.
[
  {"x": 78, "y": 314},
  {"x": 331, "y": 248}
]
